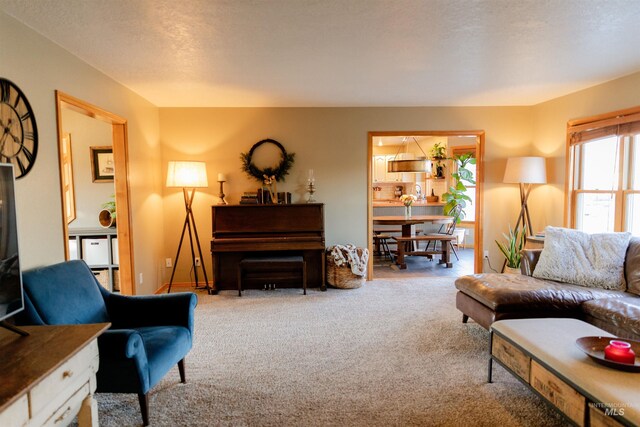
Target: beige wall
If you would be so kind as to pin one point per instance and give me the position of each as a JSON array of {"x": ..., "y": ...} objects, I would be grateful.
[
  {"x": 39, "y": 67},
  {"x": 332, "y": 141}
]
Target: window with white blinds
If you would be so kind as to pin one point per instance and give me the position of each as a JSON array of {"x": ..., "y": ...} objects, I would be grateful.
[{"x": 603, "y": 174}]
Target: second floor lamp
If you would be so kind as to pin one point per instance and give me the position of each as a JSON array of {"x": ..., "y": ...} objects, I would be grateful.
[
  {"x": 525, "y": 171},
  {"x": 189, "y": 176}
]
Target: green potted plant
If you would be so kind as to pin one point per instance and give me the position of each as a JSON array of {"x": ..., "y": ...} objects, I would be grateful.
[
  {"x": 439, "y": 153},
  {"x": 456, "y": 195},
  {"x": 512, "y": 249}
]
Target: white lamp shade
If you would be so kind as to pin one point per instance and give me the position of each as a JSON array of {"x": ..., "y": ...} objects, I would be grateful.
[
  {"x": 525, "y": 170},
  {"x": 187, "y": 175}
]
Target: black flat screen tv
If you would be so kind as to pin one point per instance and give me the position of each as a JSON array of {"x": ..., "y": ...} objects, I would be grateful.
[{"x": 11, "y": 298}]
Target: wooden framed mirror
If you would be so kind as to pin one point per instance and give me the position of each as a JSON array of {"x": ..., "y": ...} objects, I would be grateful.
[{"x": 120, "y": 243}]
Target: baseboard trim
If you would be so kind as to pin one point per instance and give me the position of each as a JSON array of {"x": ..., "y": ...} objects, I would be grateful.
[{"x": 180, "y": 287}]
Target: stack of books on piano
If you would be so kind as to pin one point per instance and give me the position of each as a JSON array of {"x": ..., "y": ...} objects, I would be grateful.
[
  {"x": 249, "y": 199},
  {"x": 264, "y": 197},
  {"x": 284, "y": 198}
]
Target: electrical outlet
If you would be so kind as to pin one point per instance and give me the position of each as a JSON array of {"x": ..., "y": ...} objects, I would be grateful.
[
  {"x": 167, "y": 262},
  {"x": 141, "y": 278},
  {"x": 198, "y": 263},
  {"x": 486, "y": 254}
]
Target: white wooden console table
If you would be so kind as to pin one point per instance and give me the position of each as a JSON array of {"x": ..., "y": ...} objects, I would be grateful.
[{"x": 49, "y": 377}]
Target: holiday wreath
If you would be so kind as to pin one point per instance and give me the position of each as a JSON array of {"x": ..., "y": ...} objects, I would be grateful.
[{"x": 278, "y": 172}]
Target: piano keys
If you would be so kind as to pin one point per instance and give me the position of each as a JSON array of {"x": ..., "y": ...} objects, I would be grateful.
[{"x": 240, "y": 231}]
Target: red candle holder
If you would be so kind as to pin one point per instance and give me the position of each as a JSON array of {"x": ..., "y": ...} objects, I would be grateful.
[{"x": 620, "y": 351}]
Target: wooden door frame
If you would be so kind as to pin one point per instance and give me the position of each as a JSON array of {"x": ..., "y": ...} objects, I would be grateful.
[
  {"x": 121, "y": 181},
  {"x": 478, "y": 229}
]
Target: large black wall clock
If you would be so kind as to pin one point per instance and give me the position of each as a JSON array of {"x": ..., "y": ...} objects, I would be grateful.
[{"x": 18, "y": 131}]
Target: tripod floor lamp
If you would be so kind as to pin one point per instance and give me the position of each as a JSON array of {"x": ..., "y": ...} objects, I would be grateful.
[
  {"x": 189, "y": 176},
  {"x": 525, "y": 171}
]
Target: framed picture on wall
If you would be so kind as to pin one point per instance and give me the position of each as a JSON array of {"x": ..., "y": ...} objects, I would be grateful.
[{"x": 102, "y": 165}]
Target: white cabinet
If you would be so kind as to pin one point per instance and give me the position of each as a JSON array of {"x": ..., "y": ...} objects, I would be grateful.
[
  {"x": 95, "y": 251},
  {"x": 57, "y": 368},
  {"x": 99, "y": 249},
  {"x": 391, "y": 176},
  {"x": 409, "y": 178},
  {"x": 114, "y": 251},
  {"x": 379, "y": 168}
]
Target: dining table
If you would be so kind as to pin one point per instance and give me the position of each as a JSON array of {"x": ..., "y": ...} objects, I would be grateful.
[{"x": 407, "y": 223}]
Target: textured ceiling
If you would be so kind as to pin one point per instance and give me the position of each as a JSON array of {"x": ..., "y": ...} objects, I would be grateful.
[{"x": 237, "y": 53}]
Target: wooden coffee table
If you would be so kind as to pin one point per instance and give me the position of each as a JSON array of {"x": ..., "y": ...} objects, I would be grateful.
[{"x": 542, "y": 353}]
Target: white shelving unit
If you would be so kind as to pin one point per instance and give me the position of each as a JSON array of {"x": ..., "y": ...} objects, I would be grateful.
[{"x": 98, "y": 247}]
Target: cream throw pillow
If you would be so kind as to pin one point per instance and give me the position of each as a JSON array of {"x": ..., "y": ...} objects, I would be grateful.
[{"x": 591, "y": 260}]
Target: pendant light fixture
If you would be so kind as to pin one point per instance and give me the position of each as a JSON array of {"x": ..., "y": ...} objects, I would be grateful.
[{"x": 419, "y": 165}]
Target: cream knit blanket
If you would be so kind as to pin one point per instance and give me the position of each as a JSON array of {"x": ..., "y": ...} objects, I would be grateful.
[{"x": 352, "y": 256}]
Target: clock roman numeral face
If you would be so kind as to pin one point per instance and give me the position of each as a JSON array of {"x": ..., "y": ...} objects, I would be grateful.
[
  {"x": 5, "y": 91},
  {"x": 18, "y": 132}
]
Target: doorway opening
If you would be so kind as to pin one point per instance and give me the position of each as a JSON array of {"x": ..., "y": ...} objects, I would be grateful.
[
  {"x": 109, "y": 162},
  {"x": 385, "y": 188}
]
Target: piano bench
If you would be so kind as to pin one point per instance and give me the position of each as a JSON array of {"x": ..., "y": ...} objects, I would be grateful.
[{"x": 272, "y": 264}]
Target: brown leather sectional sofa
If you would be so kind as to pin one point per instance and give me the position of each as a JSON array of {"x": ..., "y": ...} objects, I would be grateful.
[{"x": 488, "y": 297}]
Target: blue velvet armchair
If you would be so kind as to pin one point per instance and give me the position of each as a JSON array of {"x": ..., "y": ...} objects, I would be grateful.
[{"x": 148, "y": 334}]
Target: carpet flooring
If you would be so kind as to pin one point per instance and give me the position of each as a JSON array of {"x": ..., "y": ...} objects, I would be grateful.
[{"x": 392, "y": 353}]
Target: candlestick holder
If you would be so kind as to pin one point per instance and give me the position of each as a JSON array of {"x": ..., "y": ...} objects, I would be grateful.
[
  {"x": 311, "y": 188},
  {"x": 222, "y": 195}
]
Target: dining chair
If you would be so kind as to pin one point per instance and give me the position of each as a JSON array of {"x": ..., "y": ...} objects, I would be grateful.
[
  {"x": 381, "y": 240},
  {"x": 448, "y": 229}
]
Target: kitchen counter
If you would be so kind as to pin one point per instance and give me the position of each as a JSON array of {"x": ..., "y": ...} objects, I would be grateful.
[
  {"x": 391, "y": 203},
  {"x": 382, "y": 207}
]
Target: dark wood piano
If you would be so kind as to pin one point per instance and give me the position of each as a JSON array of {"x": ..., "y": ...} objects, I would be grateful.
[{"x": 241, "y": 231}]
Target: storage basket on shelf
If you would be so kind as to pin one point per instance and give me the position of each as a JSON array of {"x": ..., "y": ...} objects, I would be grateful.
[
  {"x": 102, "y": 276},
  {"x": 346, "y": 266}
]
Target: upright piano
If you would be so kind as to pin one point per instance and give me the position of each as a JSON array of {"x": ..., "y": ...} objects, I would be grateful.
[{"x": 240, "y": 231}]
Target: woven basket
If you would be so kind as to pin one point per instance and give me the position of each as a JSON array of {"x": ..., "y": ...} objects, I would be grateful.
[
  {"x": 342, "y": 277},
  {"x": 103, "y": 277}
]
